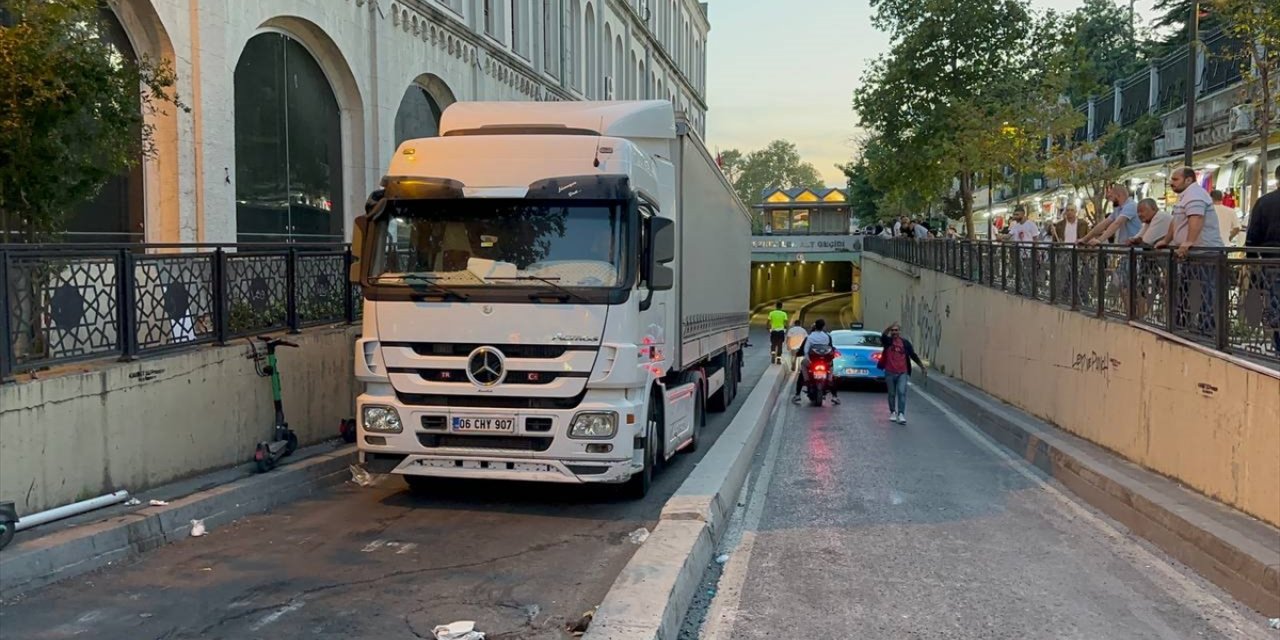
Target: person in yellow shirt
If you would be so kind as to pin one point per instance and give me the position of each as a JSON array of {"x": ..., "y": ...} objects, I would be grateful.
[{"x": 777, "y": 331}]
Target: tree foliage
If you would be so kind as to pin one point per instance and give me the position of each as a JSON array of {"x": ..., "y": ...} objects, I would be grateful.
[
  {"x": 71, "y": 111},
  {"x": 1257, "y": 24},
  {"x": 777, "y": 165}
]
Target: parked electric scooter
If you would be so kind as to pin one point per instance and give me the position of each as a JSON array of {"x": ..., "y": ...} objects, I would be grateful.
[{"x": 284, "y": 441}]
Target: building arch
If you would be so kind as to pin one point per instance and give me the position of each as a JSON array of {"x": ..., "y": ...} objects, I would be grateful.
[
  {"x": 592, "y": 54},
  {"x": 299, "y": 132},
  {"x": 609, "y": 87},
  {"x": 141, "y": 204},
  {"x": 421, "y": 107}
]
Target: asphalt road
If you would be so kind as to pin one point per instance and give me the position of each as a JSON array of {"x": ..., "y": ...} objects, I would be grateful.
[
  {"x": 854, "y": 527},
  {"x": 522, "y": 560}
]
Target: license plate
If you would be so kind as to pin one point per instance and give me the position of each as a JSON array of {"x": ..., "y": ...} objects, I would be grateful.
[
  {"x": 856, "y": 372},
  {"x": 820, "y": 375},
  {"x": 500, "y": 425}
]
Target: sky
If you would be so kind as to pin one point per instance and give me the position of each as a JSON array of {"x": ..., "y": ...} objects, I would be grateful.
[{"x": 774, "y": 71}]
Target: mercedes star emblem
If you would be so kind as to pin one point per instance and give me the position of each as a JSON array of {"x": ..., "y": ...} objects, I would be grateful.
[{"x": 486, "y": 367}]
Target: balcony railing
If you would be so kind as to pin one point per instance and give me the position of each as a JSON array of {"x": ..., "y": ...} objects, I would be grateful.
[
  {"x": 1226, "y": 299},
  {"x": 67, "y": 303}
]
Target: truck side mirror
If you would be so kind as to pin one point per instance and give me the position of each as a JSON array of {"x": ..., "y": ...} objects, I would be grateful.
[
  {"x": 357, "y": 247},
  {"x": 662, "y": 234},
  {"x": 662, "y": 250}
]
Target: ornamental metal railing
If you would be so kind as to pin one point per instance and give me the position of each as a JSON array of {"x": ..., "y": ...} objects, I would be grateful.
[
  {"x": 1224, "y": 298},
  {"x": 65, "y": 303}
]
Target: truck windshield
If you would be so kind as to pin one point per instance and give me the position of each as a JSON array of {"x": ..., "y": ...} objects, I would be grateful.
[{"x": 501, "y": 243}]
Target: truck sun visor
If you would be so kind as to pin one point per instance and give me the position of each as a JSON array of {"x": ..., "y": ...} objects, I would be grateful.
[
  {"x": 588, "y": 187},
  {"x": 415, "y": 188}
]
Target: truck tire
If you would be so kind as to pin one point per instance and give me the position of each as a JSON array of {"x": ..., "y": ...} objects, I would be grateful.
[
  {"x": 638, "y": 486},
  {"x": 699, "y": 420},
  {"x": 724, "y": 397}
]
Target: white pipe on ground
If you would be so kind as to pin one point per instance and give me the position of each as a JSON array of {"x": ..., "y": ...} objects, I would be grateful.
[{"x": 76, "y": 508}]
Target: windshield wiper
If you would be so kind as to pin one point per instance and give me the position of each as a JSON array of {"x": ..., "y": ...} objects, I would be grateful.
[
  {"x": 415, "y": 281},
  {"x": 565, "y": 294}
]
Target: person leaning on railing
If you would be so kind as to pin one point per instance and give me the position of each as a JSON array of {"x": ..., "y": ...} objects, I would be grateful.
[
  {"x": 1195, "y": 225},
  {"x": 1155, "y": 225}
]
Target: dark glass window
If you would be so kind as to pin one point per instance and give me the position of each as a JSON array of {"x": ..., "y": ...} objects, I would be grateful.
[
  {"x": 118, "y": 213},
  {"x": 418, "y": 115},
  {"x": 288, "y": 145}
]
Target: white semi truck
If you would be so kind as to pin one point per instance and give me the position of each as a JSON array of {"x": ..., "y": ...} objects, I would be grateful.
[{"x": 552, "y": 292}]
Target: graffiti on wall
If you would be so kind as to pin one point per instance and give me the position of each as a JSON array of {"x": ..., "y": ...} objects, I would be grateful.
[
  {"x": 922, "y": 323},
  {"x": 1094, "y": 362}
]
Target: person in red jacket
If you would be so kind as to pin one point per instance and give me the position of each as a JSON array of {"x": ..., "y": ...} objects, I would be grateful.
[{"x": 896, "y": 361}]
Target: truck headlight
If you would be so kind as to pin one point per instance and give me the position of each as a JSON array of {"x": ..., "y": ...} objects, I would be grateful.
[
  {"x": 382, "y": 420},
  {"x": 594, "y": 425}
]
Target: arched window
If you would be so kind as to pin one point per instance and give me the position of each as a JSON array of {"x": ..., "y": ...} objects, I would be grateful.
[
  {"x": 418, "y": 115},
  {"x": 118, "y": 212},
  {"x": 619, "y": 72},
  {"x": 608, "y": 89},
  {"x": 288, "y": 145},
  {"x": 573, "y": 73},
  {"x": 592, "y": 55}
]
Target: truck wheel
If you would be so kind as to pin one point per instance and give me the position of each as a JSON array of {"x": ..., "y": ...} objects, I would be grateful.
[
  {"x": 638, "y": 486},
  {"x": 699, "y": 420},
  {"x": 724, "y": 397}
]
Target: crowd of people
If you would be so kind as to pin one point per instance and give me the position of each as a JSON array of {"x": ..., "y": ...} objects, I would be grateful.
[{"x": 1198, "y": 218}]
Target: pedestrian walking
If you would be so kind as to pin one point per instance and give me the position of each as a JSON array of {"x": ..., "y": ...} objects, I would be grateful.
[
  {"x": 895, "y": 360},
  {"x": 795, "y": 339},
  {"x": 777, "y": 331},
  {"x": 1228, "y": 219},
  {"x": 1023, "y": 229}
]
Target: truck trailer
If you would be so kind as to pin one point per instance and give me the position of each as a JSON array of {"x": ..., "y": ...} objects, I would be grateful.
[{"x": 553, "y": 292}]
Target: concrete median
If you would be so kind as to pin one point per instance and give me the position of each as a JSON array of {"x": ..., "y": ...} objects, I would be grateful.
[{"x": 649, "y": 599}]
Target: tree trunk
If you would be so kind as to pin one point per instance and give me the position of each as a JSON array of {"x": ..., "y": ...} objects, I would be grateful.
[
  {"x": 1264, "y": 129},
  {"x": 966, "y": 203}
]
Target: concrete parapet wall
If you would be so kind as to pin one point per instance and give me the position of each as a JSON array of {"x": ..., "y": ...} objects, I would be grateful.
[
  {"x": 1199, "y": 418},
  {"x": 72, "y": 435}
]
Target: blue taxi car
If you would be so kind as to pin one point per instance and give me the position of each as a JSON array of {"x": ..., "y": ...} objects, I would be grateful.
[{"x": 859, "y": 353}]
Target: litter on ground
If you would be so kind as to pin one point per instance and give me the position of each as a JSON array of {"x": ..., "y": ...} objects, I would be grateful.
[
  {"x": 197, "y": 528},
  {"x": 361, "y": 477},
  {"x": 462, "y": 630},
  {"x": 638, "y": 536}
]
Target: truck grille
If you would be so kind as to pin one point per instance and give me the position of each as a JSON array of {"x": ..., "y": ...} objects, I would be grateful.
[
  {"x": 505, "y": 443},
  {"x": 461, "y": 350},
  {"x": 488, "y": 401}
]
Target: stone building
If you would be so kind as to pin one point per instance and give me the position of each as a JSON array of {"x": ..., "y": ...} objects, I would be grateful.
[{"x": 297, "y": 105}]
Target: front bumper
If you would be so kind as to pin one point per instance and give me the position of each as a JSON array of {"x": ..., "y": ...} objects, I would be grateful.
[{"x": 538, "y": 450}]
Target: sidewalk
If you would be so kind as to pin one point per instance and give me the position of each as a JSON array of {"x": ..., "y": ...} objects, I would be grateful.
[{"x": 857, "y": 527}]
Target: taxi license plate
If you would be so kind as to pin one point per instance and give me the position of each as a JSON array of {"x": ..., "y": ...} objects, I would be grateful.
[
  {"x": 498, "y": 425},
  {"x": 855, "y": 372}
]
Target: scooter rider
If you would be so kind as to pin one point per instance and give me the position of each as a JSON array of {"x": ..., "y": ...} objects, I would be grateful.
[{"x": 818, "y": 336}]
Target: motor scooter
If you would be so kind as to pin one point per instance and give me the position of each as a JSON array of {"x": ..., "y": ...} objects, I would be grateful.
[{"x": 819, "y": 376}]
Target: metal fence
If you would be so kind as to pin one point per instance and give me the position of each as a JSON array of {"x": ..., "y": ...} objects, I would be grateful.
[
  {"x": 67, "y": 303},
  {"x": 1228, "y": 299}
]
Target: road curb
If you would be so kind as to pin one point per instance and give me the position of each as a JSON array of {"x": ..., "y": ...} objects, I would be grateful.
[
  {"x": 78, "y": 550},
  {"x": 1238, "y": 553},
  {"x": 649, "y": 599}
]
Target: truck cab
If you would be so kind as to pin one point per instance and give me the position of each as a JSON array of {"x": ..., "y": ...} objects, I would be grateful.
[{"x": 521, "y": 299}]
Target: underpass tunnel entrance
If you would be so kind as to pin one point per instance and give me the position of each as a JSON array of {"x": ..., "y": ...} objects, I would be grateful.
[{"x": 772, "y": 281}]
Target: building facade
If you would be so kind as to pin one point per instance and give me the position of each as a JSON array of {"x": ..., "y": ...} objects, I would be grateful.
[{"x": 297, "y": 105}]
